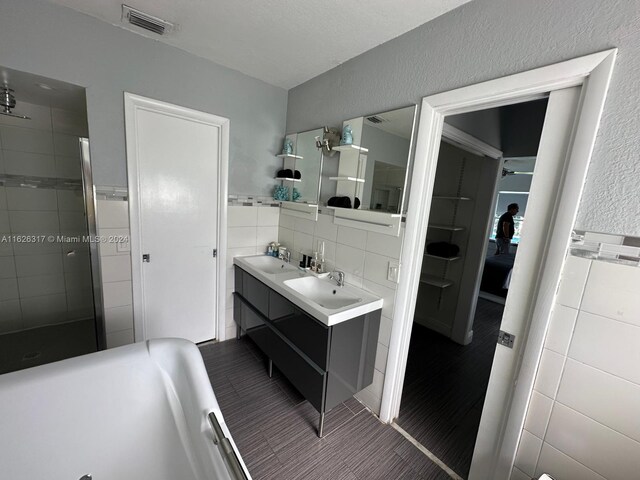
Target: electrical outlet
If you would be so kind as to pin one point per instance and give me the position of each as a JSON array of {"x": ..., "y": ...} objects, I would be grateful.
[{"x": 393, "y": 272}]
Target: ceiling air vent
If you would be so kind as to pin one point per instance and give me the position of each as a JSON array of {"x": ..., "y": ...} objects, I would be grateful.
[
  {"x": 146, "y": 21},
  {"x": 376, "y": 119}
]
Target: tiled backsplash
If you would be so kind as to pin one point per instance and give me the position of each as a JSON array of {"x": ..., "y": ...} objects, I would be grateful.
[
  {"x": 583, "y": 420},
  {"x": 249, "y": 230},
  {"x": 115, "y": 265},
  {"x": 364, "y": 257}
]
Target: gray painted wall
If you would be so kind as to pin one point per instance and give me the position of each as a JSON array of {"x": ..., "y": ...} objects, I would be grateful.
[
  {"x": 521, "y": 127},
  {"x": 486, "y": 39},
  {"x": 60, "y": 43}
]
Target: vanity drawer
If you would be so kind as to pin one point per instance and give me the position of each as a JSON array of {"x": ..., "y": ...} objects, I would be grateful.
[
  {"x": 256, "y": 293},
  {"x": 306, "y": 377},
  {"x": 305, "y": 332}
]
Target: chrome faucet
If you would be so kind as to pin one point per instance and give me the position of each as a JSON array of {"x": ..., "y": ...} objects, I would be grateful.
[
  {"x": 338, "y": 276},
  {"x": 285, "y": 256}
]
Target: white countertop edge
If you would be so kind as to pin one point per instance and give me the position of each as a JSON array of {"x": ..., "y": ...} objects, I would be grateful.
[{"x": 323, "y": 315}]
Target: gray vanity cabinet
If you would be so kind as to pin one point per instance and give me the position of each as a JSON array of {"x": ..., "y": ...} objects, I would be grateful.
[{"x": 327, "y": 364}]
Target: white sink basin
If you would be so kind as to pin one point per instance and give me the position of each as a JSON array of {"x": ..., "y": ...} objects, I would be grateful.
[
  {"x": 324, "y": 292},
  {"x": 269, "y": 265}
]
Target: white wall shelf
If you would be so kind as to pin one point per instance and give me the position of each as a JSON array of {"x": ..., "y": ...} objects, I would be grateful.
[
  {"x": 444, "y": 197},
  {"x": 288, "y": 179},
  {"x": 451, "y": 228},
  {"x": 288, "y": 155},
  {"x": 348, "y": 148},
  {"x": 435, "y": 281},
  {"x": 446, "y": 259},
  {"x": 347, "y": 179}
]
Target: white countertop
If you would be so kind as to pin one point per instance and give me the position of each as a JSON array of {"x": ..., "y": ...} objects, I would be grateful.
[{"x": 368, "y": 301}]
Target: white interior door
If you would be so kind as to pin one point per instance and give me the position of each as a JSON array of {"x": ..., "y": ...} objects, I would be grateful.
[
  {"x": 526, "y": 287},
  {"x": 174, "y": 156}
]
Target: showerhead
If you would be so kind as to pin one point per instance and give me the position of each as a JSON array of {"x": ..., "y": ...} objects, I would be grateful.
[{"x": 8, "y": 102}]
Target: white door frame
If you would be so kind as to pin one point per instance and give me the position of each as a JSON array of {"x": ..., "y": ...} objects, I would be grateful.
[
  {"x": 132, "y": 104},
  {"x": 593, "y": 72}
]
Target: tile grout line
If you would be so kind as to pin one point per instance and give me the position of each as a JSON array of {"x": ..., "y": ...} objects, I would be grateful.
[{"x": 426, "y": 452}]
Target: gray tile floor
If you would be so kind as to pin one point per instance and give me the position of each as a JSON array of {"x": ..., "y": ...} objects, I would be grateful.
[{"x": 275, "y": 428}]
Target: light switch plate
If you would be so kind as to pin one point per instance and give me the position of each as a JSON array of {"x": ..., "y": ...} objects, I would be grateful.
[{"x": 393, "y": 272}]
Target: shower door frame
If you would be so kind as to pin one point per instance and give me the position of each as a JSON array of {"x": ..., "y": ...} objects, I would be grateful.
[{"x": 89, "y": 195}]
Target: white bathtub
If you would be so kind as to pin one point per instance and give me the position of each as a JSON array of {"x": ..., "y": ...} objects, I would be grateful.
[{"x": 135, "y": 412}]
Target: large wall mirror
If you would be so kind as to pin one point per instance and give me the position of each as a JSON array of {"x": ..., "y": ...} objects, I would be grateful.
[
  {"x": 372, "y": 171},
  {"x": 299, "y": 178}
]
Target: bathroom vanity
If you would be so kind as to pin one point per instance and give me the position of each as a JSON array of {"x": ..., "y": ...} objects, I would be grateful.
[{"x": 322, "y": 337}]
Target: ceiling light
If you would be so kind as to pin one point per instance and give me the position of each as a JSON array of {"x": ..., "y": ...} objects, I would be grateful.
[{"x": 44, "y": 86}]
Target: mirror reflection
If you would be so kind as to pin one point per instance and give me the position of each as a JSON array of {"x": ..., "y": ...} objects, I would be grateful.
[{"x": 299, "y": 176}]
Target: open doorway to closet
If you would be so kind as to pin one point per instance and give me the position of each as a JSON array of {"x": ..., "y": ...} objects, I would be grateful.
[{"x": 486, "y": 162}]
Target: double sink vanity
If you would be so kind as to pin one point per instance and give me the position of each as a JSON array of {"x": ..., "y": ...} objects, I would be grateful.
[{"x": 321, "y": 336}]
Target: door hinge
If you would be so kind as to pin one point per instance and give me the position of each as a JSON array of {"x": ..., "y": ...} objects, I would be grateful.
[{"x": 215, "y": 252}]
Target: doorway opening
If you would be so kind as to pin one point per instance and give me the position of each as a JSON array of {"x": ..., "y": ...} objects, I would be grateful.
[
  {"x": 50, "y": 291},
  {"x": 464, "y": 283}
]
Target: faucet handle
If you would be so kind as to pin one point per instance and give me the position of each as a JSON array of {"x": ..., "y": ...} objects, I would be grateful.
[{"x": 338, "y": 276}]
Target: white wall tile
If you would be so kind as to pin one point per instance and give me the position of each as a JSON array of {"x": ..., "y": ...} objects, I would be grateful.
[
  {"x": 605, "y": 451},
  {"x": 66, "y": 145},
  {"x": 2, "y": 170},
  {"x": 118, "y": 339},
  {"x": 369, "y": 399},
  {"x": 29, "y": 164},
  {"x": 605, "y": 398},
  {"x": 266, "y": 235},
  {"x": 26, "y": 140},
  {"x": 77, "y": 281},
  {"x": 382, "y": 353},
  {"x": 608, "y": 345},
  {"x": 528, "y": 452},
  {"x": 34, "y": 222},
  {"x": 574, "y": 278},
  {"x": 31, "y": 199},
  {"x": 285, "y": 236},
  {"x": 116, "y": 268},
  {"x": 70, "y": 200},
  {"x": 376, "y": 268},
  {"x": 563, "y": 320},
  {"x": 78, "y": 263},
  {"x": 10, "y": 316},
  {"x": 48, "y": 264},
  {"x": 230, "y": 332},
  {"x": 563, "y": 467},
  {"x": 238, "y": 216},
  {"x": 612, "y": 291},
  {"x": 6, "y": 247},
  {"x": 387, "y": 294},
  {"x": 39, "y": 248},
  {"x": 39, "y": 285},
  {"x": 549, "y": 373},
  {"x": 7, "y": 267},
  {"x": 386, "y": 245},
  {"x": 517, "y": 474},
  {"x": 352, "y": 237},
  {"x": 603, "y": 238},
  {"x": 39, "y": 117},
  {"x": 287, "y": 221},
  {"x": 118, "y": 318},
  {"x": 68, "y": 167},
  {"x": 303, "y": 225},
  {"x": 73, "y": 223},
  {"x": 238, "y": 252},
  {"x": 384, "y": 335},
  {"x": 3, "y": 199},
  {"x": 72, "y": 123},
  {"x": 538, "y": 414},
  {"x": 4, "y": 221},
  {"x": 268, "y": 216},
  {"x": 241, "y": 237},
  {"x": 302, "y": 243},
  {"x": 113, "y": 247},
  {"x": 80, "y": 304},
  {"x": 112, "y": 214},
  {"x": 117, "y": 294},
  {"x": 325, "y": 228},
  {"x": 44, "y": 310},
  {"x": 350, "y": 260}
]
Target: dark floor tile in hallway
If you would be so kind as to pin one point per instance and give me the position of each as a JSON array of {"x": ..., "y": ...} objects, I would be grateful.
[
  {"x": 275, "y": 428},
  {"x": 445, "y": 386}
]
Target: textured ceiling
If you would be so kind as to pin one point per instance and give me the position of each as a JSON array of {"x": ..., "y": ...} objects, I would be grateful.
[{"x": 282, "y": 42}]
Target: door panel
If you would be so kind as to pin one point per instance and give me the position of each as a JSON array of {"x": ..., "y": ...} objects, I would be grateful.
[{"x": 178, "y": 203}]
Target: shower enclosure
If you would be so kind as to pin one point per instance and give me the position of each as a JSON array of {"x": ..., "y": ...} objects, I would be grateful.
[{"x": 49, "y": 280}]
